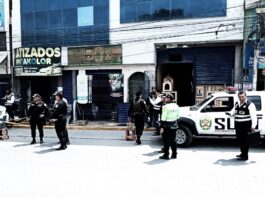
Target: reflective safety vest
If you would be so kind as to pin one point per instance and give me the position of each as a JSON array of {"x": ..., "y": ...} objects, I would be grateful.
[
  {"x": 170, "y": 112},
  {"x": 242, "y": 113}
]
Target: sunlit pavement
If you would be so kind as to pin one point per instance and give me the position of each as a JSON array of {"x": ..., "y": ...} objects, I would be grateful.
[{"x": 102, "y": 164}]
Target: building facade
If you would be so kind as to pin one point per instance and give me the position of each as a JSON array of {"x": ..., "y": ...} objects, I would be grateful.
[
  {"x": 5, "y": 72},
  {"x": 100, "y": 52}
]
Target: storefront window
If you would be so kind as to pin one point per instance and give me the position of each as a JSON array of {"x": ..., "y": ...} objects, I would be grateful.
[{"x": 170, "y": 9}]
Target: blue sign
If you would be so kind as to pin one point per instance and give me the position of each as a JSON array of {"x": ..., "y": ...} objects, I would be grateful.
[{"x": 2, "y": 16}]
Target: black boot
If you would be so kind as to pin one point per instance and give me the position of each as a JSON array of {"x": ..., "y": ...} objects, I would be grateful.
[
  {"x": 138, "y": 140},
  {"x": 41, "y": 140},
  {"x": 33, "y": 141}
]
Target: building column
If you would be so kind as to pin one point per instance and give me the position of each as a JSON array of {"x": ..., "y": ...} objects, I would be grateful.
[{"x": 238, "y": 68}]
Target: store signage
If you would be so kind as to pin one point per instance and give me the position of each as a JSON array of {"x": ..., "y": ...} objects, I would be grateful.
[
  {"x": 98, "y": 55},
  {"x": 82, "y": 87},
  {"x": 2, "y": 16},
  {"x": 38, "y": 61},
  {"x": 116, "y": 85}
]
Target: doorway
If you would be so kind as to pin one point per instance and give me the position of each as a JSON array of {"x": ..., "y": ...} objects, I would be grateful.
[
  {"x": 182, "y": 73},
  {"x": 136, "y": 83}
]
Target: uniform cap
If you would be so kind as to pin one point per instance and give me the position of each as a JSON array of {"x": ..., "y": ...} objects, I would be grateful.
[
  {"x": 36, "y": 95},
  {"x": 170, "y": 96},
  {"x": 58, "y": 93}
]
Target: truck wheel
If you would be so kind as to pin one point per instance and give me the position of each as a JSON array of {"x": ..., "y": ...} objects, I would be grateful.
[{"x": 183, "y": 136}]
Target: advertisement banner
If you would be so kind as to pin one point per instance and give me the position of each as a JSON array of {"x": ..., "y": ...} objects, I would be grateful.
[
  {"x": 2, "y": 16},
  {"x": 38, "y": 61},
  {"x": 98, "y": 55}
]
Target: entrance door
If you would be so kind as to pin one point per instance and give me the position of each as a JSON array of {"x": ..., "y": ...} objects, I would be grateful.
[
  {"x": 137, "y": 83},
  {"x": 42, "y": 86},
  {"x": 182, "y": 73}
]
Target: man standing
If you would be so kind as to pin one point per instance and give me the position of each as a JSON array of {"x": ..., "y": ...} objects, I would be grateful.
[
  {"x": 169, "y": 118},
  {"x": 37, "y": 114},
  {"x": 9, "y": 101},
  {"x": 137, "y": 112},
  {"x": 59, "y": 117},
  {"x": 245, "y": 121}
]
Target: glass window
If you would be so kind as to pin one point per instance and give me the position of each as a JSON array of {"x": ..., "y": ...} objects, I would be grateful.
[
  {"x": 101, "y": 14},
  {"x": 55, "y": 4},
  {"x": 27, "y": 5},
  {"x": 128, "y": 12},
  {"x": 41, "y": 20},
  {"x": 256, "y": 100},
  {"x": 101, "y": 2},
  {"x": 55, "y": 19},
  {"x": 28, "y": 38},
  {"x": 70, "y": 17},
  {"x": 54, "y": 37},
  {"x": 220, "y": 104},
  {"x": 27, "y": 21},
  {"x": 83, "y": 3},
  {"x": 100, "y": 33},
  {"x": 85, "y": 16},
  {"x": 41, "y": 37},
  {"x": 41, "y": 5},
  {"x": 161, "y": 9},
  {"x": 178, "y": 8},
  {"x": 70, "y": 36},
  {"x": 69, "y": 3},
  {"x": 143, "y": 11},
  {"x": 85, "y": 34}
]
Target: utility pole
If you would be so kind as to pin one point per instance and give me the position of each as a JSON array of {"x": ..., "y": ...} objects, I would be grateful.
[{"x": 11, "y": 45}]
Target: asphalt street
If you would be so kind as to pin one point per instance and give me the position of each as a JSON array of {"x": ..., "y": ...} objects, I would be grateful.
[{"x": 102, "y": 164}]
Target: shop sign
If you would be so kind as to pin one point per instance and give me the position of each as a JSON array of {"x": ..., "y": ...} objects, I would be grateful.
[
  {"x": 38, "y": 61},
  {"x": 116, "y": 85},
  {"x": 82, "y": 87},
  {"x": 98, "y": 55},
  {"x": 2, "y": 16}
]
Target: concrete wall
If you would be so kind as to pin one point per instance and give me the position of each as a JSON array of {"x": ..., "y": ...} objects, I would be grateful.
[{"x": 139, "y": 45}]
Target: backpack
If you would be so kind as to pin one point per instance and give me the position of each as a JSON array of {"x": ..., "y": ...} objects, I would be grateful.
[{"x": 137, "y": 106}]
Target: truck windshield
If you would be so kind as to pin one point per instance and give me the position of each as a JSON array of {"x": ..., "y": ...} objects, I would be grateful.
[{"x": 200, "y": 104}]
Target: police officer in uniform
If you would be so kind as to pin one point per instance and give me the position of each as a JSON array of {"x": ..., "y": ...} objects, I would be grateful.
[
  {"x": 137, "y": 112},
  {"x": 9, "y": 99},
  {"x": 59, "y": 117},
  {"x": 245, "y": 121},
  {"x": 169, "y": 118},
  {"x": 37, "y": 114}
]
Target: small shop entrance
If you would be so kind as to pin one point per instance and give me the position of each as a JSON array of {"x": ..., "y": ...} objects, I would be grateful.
[{"x": 182, "y": 73}]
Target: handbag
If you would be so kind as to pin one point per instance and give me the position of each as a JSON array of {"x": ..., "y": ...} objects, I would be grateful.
[{"x": 253, "y": 138}]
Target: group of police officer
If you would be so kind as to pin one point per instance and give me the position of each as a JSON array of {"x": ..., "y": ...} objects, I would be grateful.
[
  {"x": 168, "y": 122},
  {"x": 38, "y": 114},
  {"x": 244, "y": 114}
]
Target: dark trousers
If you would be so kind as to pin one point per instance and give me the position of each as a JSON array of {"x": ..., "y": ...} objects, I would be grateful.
[
  {"x": 154, "y": 123},
  {"x": 169, "y": 138},
  {"x": 9, "y": 110},
  {"x": 60, "y": 126},
  {"x": 39, "y": 124},
  {"x": 66, "y": 135},
  {"x": 139, "y": 124},
  {"x": 242, "y": 129}
]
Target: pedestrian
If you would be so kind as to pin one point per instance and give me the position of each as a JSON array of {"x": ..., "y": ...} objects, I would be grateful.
[
  {"x": 150, "y": 106},
  {"x": 155, "y": 103},
  {"x": 37, "y": 113},
  {"x": 65, "y": 131},
  {"x": 169, "y": 119},
  {"x": 9, "y": 100},
  {"x": 245, "y": 117},
  {"x": 59, "y": 117},
  {"x": 137, "y": 112},
  {"x": 163, "y": 97}
]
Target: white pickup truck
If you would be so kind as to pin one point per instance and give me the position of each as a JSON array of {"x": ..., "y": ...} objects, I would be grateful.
[{"x": 210, "y": 116}]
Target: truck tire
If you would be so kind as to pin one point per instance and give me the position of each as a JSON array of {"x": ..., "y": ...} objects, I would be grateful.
[{"x": 183, "y": 136}]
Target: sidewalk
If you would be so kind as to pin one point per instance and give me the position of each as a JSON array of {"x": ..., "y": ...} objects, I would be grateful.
[{"x": 81, "y": 125}]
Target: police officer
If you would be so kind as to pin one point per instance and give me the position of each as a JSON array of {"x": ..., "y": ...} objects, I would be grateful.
[
  {"x": 137, "y": 112},
  {"x": 169, "y": 118},
  {"x": 37, "y": 114},
  {"x": 245, "y": 121},
  {"x": 59, "y": 117}
]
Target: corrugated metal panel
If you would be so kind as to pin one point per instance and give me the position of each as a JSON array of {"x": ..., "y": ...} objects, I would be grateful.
[
  {"x": 67, "y": 86},
  {"x": 214, "y": 65},
  {"x": 122, "y": 112}
]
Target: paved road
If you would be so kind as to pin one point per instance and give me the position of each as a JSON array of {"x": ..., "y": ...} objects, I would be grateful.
[{"x": 101, "y": 164}]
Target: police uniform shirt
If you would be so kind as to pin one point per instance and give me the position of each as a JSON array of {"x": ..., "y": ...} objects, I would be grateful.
[
  {"x": 252, "y": 112},
  {"x": 170, "y": 112}
]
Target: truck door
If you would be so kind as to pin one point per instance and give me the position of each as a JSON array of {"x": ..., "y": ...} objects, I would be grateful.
[
  {"x": 213, "y": 119},
  {"x": 260, "y": 118}
]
